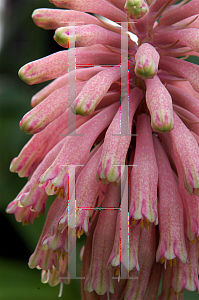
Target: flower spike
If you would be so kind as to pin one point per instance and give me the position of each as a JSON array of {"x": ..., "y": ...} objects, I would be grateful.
[
  {"x": 123, "y": 107},
  {"x": 171, "y": 223}
]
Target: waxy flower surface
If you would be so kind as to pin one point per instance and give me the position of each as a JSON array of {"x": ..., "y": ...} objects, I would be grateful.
[{"x": 115, "y": 137}]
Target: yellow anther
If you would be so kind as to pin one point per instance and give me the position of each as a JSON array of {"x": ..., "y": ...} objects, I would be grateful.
[
  {"x": 133, "y": 222},
  {"x": 182, "y": 291},
  {"x": 60, "y": 192},
  {"x": 58, "y": 255},
  {"x": 142, "y": 224},
  {"x": 193, "y": 241},
  {"x": 197, "y": 239},
  {"x": 38, "y": 214},
  {"x": 162, "y": 260},
  {"x": 25, "y": 223},
  {"x": 147, "y": 223},
  {"x": 174, "y": 262},
  {"x": 32, "y": 209},
  {"x": 177, "y": 294},
  {"x": 51, "y": 270},
  {"x": 55, "y": 189},
  {"x": 63, "y": 255},
  {"x": 117, "y": 272},
  {"x": 80, "y": 232},
  {"x": 170, "y": 262}
]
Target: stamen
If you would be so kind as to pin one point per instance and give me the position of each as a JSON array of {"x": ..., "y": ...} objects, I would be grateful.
[
  {"x": 38, "y": 214},
  {"x": 162, "y": 260},
  {"x": 60, "y": 192},
  {"x": 117, "y": 272},
  {"x": 58, "y": 255},
  {"x": 193, "y": 241},
  {"x": 142, "y": 224},
  {"x": 182, "y": 291},
  {"x": 133, "y": 222},
  {"x": 61, "y": 289},
  {"x": 51, "y": 270},
  {"x": 197, "y": 239},
  {"x": 32, "y": 209},
  {"x": 63, "y": 255},
  {"x": 25, "y": 223},
  {"x": 147, "y": 224},
  {"x": 80, "y": 232},
  {"x": 170, "y": 262}
]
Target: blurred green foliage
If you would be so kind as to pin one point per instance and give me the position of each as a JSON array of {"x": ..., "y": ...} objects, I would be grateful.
[{"x": 23, "y": 42}]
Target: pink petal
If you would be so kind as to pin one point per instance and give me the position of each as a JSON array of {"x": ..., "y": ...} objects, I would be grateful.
[
  {"x": 55, "y": 18},
  {"x": 71, "y": 154},
  {"x": 170, "y": 210},
  {"x": 56, "y": 64},
  {"x": 48, "y": 110},
  {"x": 101, "y": 7},
  {"x": 159, "y": 103},
  {"x": 115, "y": 147},
  {"x": 144, "y": 174},
  {"x": 94, "y": 90}
]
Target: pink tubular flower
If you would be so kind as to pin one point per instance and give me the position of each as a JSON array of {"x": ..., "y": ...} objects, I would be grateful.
[
  {"x": 144, "y": 175},
  {"x": 146, "y": 144}
]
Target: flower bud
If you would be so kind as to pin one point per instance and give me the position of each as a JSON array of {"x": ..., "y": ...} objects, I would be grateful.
[
  {"x": 147, "y": 59},
  {"x": 87, "y": 35},
  {"x": 159, "y": 103},
  {"x": 136, "y": 9}
]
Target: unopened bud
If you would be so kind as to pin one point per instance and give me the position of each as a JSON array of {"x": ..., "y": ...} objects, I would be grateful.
[
  {"x": 147, "y": 60},
  {"x": 136, "y": 9}
]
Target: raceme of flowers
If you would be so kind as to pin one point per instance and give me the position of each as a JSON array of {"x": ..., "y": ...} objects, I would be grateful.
[{"x": 76, "y": 122}]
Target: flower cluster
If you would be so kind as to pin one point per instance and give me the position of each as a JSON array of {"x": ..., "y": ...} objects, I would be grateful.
[{"x": 115, "y": 137}]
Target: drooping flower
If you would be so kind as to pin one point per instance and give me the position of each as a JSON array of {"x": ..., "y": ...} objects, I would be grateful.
[{"x": 90, "y": 148}]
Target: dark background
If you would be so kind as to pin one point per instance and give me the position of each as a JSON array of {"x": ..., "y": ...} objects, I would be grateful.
[{"x": 23, "y": 42}]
